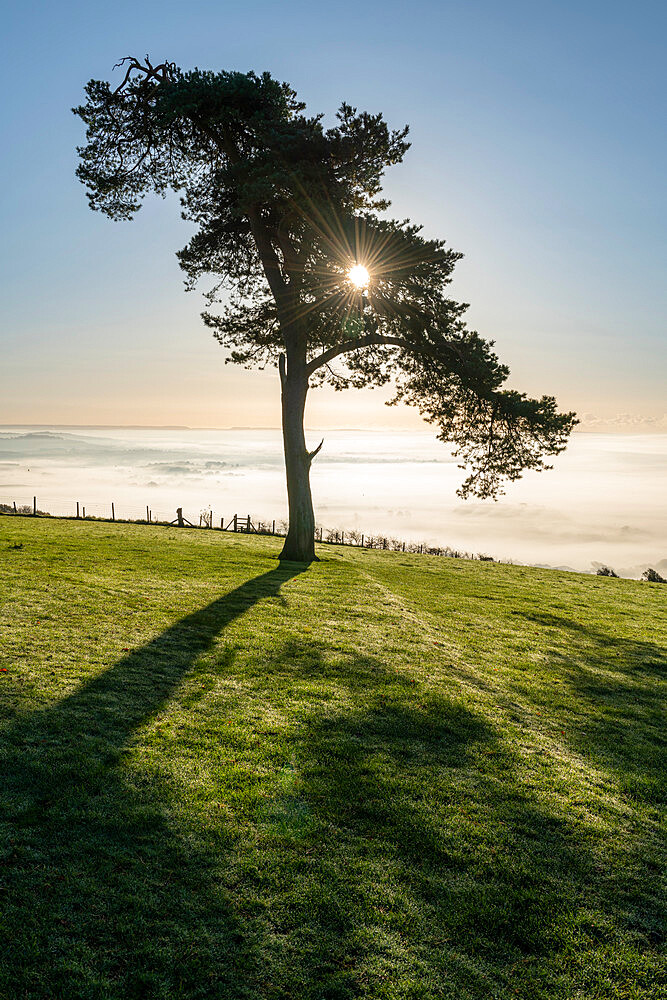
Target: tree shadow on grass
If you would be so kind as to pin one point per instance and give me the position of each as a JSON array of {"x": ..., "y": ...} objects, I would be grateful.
[
  {"x": 618, "y": 685},
  {"x": 455, "y": 879},
  {"x": 100, "y": 896},
  {"x": 352, "y": 860},
  {"x": 413, "y": 859},
  {"x": 399, "y": 854}
]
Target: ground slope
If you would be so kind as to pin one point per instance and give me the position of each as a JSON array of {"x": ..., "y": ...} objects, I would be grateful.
[{"x": 385, "y": 776}]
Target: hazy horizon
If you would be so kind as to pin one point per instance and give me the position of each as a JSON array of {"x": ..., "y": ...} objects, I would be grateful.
[
  {"x": 657, "y": 425},
  {"x": 602, "y": 503}
]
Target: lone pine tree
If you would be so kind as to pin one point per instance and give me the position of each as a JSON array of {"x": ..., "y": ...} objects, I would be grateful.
[{"x": 309, "y": 270}]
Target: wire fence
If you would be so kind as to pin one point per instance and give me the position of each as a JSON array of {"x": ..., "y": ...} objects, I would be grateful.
[{"x": 207, "y": 519}]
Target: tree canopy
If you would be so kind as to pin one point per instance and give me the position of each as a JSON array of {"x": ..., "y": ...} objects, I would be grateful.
[{"x": 284, "y": 208}]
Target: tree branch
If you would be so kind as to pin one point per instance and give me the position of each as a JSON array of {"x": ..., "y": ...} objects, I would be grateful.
[
  {"x": 163, "y": 74},
  {"x": 267, "y": 254},
  {"x": 355, "y": 344}
]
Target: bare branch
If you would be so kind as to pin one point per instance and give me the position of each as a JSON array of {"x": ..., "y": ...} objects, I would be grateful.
[
  {"x": 162, "y": 73},
  {"x": 312, "y": 454}
]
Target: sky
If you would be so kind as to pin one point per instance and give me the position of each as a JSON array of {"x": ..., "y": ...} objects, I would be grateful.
[{"x": 537, "y": 150}]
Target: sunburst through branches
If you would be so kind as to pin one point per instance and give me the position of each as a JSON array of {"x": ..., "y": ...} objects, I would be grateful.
[{"x": 359, "y": 276}]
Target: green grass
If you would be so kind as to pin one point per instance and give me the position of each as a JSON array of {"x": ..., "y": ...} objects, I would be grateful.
[{"x": 385, "y": 776}]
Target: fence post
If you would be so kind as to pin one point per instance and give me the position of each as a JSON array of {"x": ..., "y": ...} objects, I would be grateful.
[
  {"x": 248, "y": 526},
  {"x": 77, "y": 508},
  {"x": 273, "y": 529},
  {"x": 147, "y": 517},
  {"x": 84, "y": 512},
  {"x": 15, "y": 506},
  {"x": 235, "y": 522},
  {"x": 34, "y": 506},
  {"x": 113, "y": 512}
]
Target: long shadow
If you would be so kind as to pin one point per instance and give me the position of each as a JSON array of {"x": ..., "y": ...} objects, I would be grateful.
[
  {"x": 445, "y": 866},
  {"x": 618, "y": 684},
  {"x": 434, "y": 855},
  {"x": 94, "y": 876},
  {"x": 399, "y": 855},
  {"x": 122, "y": 698},
  {"x": 477, "y": 887},
  {"x": 407, "y": 846},
  {"x": 344, "y": 839},
  {"x": 648, "y": 656}
]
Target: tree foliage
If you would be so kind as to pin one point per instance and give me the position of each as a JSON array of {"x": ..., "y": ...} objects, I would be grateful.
[
  {"x": 605, "y": 571},
  {"x": 283, "y": 207}
]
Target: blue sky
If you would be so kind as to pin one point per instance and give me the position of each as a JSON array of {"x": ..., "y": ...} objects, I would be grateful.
[{"x": 538, "y": 151}]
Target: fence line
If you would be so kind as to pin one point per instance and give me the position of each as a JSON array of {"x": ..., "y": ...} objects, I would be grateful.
[{"x": 244, "y": 524}]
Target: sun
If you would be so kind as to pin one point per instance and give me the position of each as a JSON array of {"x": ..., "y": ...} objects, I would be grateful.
[{"x": 359, "y": 276}]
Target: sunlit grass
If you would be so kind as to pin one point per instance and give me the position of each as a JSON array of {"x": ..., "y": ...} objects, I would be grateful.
[{"x": 385, "y": 776}]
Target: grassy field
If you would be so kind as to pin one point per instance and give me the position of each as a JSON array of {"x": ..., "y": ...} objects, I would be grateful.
[{"x": 384, "y": 776}]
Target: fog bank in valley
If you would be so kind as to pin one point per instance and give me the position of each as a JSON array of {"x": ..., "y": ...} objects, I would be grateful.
[{"x": 602, "y": 503}]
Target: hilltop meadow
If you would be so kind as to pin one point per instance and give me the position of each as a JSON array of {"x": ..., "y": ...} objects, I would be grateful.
[{"x": 384, "y": 776}]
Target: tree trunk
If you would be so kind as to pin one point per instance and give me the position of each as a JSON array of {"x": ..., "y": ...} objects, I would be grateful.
[{"x": 300, "y": 542}]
